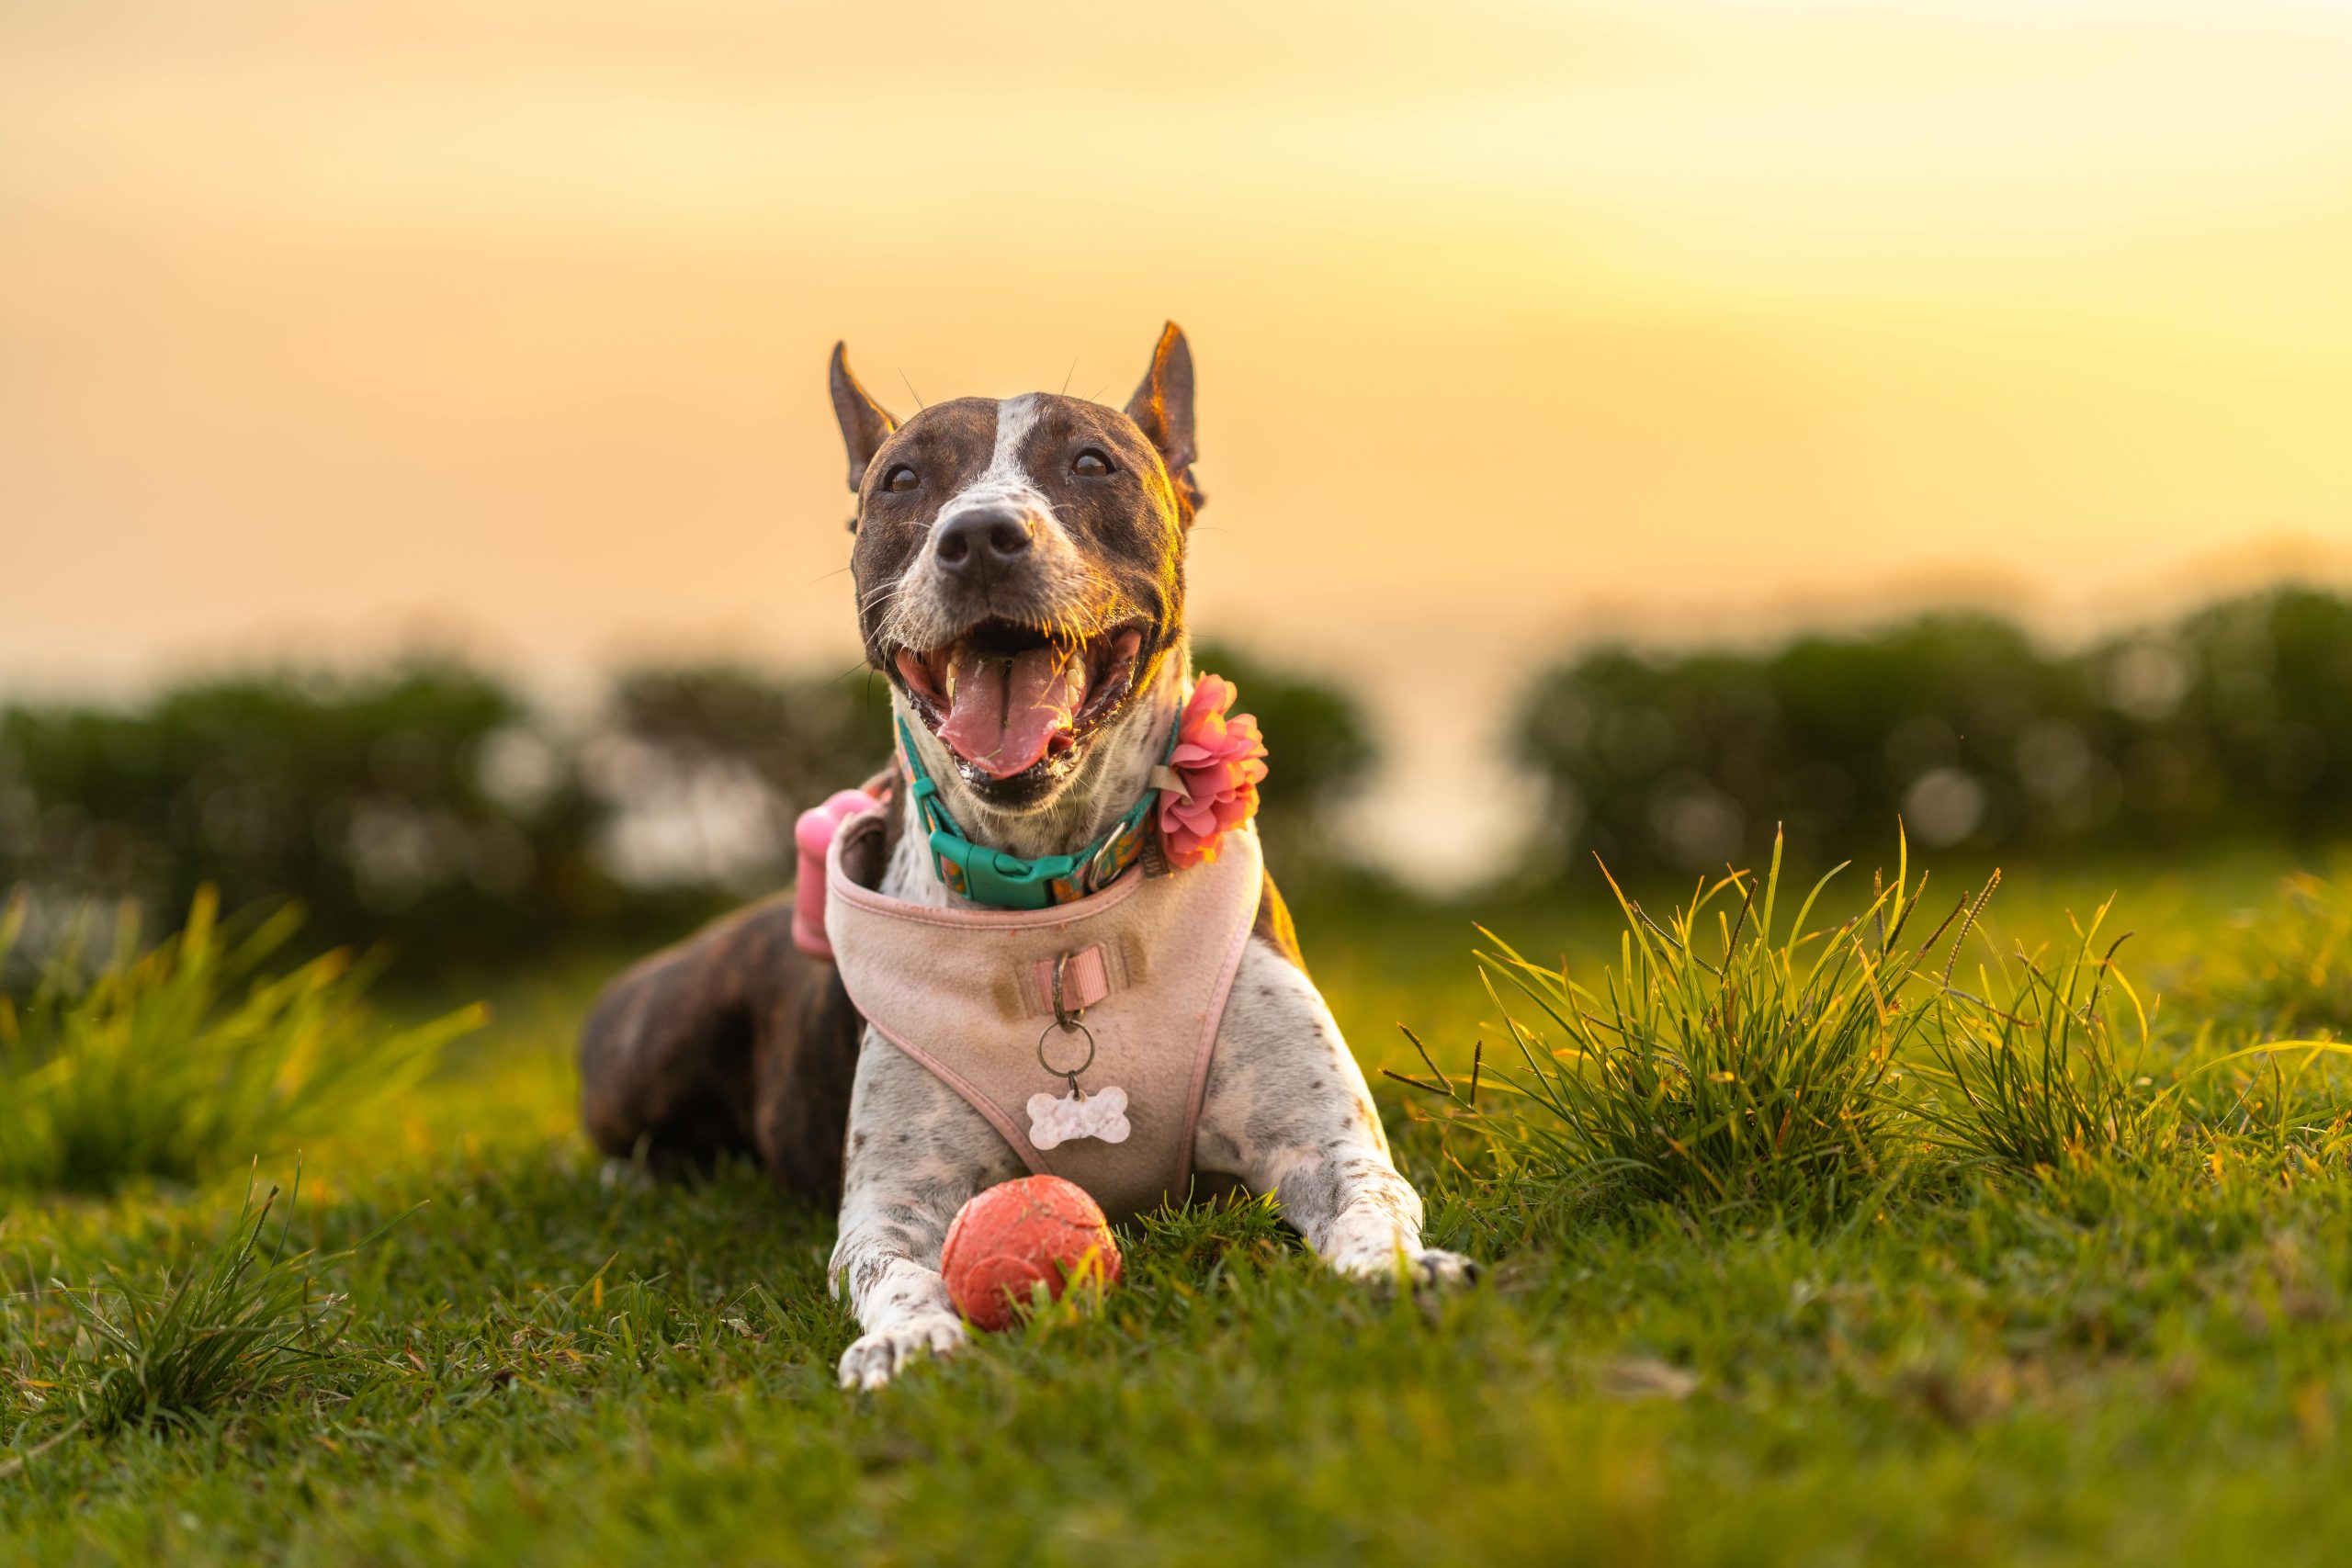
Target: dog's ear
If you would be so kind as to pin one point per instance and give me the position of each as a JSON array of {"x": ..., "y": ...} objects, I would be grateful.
[
  {"x": 865, "y": 424},
  {"x": 1162, "y": 408}
]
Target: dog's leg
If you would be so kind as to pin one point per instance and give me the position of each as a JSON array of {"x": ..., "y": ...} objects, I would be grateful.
[
  {"x": 666, "y": 1056},
  {"x": 1287, "y": 1110},
  {"x": 917, "y": 1153}
]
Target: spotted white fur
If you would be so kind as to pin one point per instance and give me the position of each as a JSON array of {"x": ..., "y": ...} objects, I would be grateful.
[
  {"x": 1064, "y": 581},
  {"x": 1286, "y": 1108},
  {"x": 1004, "y": 478}
]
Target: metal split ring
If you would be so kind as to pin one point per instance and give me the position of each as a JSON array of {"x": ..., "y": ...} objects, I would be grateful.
[{"x": 1072, "y": 1026}]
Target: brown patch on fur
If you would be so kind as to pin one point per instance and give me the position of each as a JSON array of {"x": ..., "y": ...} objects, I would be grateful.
[
  {"x": 734, "y": 1040},
  {"x": 1273, "y": 926}
]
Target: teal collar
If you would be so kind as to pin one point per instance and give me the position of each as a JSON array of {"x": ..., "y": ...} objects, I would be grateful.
[{"x": 1002, "y": 881}]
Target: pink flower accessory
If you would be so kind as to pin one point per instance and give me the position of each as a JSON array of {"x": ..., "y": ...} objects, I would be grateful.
[
  {"x": 1218, "y": 762},
  {"x": 812, "y": 836}
]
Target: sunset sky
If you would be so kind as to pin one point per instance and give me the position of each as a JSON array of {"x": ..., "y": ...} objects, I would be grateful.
[{"x": 329, "y": 327}]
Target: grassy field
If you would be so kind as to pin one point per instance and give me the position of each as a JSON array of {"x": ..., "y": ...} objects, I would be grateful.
[{"x": 2141, "y": 1353}]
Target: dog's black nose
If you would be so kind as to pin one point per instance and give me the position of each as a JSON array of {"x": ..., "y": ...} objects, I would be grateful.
[{"x": 987, "y": 534}]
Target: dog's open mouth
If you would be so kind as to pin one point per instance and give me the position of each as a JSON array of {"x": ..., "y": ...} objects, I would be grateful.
[{"x": 1007, "y": 697}]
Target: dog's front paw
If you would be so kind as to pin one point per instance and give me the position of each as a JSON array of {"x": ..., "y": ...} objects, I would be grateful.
[
  {"x": 624, "y": 1176},
  {"x": 878, "y": 1357},
  {"x": 1382, "y": 1262},
  {"x": 1433, "y": 1269}
]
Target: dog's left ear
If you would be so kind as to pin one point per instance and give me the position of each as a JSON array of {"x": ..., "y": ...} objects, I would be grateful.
[
  {"x": 865, "y": 424},
  {"x": 1162, "y": 408}
]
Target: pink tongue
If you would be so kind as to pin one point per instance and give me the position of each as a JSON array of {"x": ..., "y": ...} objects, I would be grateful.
[{"x": 1005, "y": 711}]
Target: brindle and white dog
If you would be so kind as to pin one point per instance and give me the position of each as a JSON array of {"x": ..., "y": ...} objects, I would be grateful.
[{"x": 989, "y": 531}]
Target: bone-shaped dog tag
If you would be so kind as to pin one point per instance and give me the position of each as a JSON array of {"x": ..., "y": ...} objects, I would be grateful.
[{"x": 1054, "y": 1120}]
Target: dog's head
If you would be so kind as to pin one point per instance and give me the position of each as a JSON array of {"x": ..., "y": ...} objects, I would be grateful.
[{"x": 1020, "y": 565}]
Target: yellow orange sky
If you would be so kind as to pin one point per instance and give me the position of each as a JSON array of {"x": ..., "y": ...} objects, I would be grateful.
[{"x": 506, "y": 319}]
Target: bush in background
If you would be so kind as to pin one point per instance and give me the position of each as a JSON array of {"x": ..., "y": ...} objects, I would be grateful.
[
  {"x": 701, "y": 769},
  {"x": 1321, "y": 754},
  {"x": 430, "y": 807},
  {"x": 422, "y": 804},
  {"x": 2235, "y": 721}
]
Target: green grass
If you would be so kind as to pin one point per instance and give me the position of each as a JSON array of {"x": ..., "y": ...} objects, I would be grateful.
[
  {"x": 186, "y": 1059},
  {"x": 2284, "y": 969},
  {"x": 1724, "y": 1058},
  {"x": 241, "y": 1318},
  {"x": 2137, "y": 1358}
]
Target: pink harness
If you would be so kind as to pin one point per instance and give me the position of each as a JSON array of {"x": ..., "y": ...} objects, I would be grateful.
[{"x": 1144, "y": 967}]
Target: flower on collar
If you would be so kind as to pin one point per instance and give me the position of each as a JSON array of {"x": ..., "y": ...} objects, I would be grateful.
[{"x": 1220, "y": 760}]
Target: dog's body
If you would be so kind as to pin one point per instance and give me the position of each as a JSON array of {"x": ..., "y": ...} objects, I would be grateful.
[{"x": 1020, "y": 573}]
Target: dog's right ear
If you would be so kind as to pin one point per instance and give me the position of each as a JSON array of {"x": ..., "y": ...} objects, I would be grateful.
[
  {"x": 1162, "y": 406},
  {"x": 865, "y": 424}
]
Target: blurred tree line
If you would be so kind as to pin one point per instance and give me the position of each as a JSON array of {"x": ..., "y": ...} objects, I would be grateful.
[
  {"x": 432, "y": 806},
  {"x": 2232, "y": 722},
  {"x": 429, "y": 804}
]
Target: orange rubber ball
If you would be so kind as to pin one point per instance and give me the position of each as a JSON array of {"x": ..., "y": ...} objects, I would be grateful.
[{"x": 1014, "y": 1237}]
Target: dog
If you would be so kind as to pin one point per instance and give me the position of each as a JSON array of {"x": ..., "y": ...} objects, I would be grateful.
[{"x": 1019, "y": 567}]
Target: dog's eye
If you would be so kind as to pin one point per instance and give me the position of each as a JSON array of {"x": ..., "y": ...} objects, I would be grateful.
[
  {"x": 1090, "y": 464},
  {"x": 901, "y": 479}
]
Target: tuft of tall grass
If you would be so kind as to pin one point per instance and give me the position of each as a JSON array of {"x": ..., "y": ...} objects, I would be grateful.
[
  {"x": 2039, "y": 1069},
  {"x": 189, "y": 1058},
  {"x": 243, "y": 1318},
  {"x": 2052, "y": 1065},
  {"x": 2284, "y": 968},
  {"x": 1725, "y": 1059}
]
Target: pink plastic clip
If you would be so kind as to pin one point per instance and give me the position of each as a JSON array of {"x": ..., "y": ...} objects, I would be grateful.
[{"x": 812, "y": 835}]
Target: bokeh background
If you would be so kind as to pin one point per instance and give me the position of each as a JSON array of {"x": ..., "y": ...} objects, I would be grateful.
[{"x": 1628, "y": 427}]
